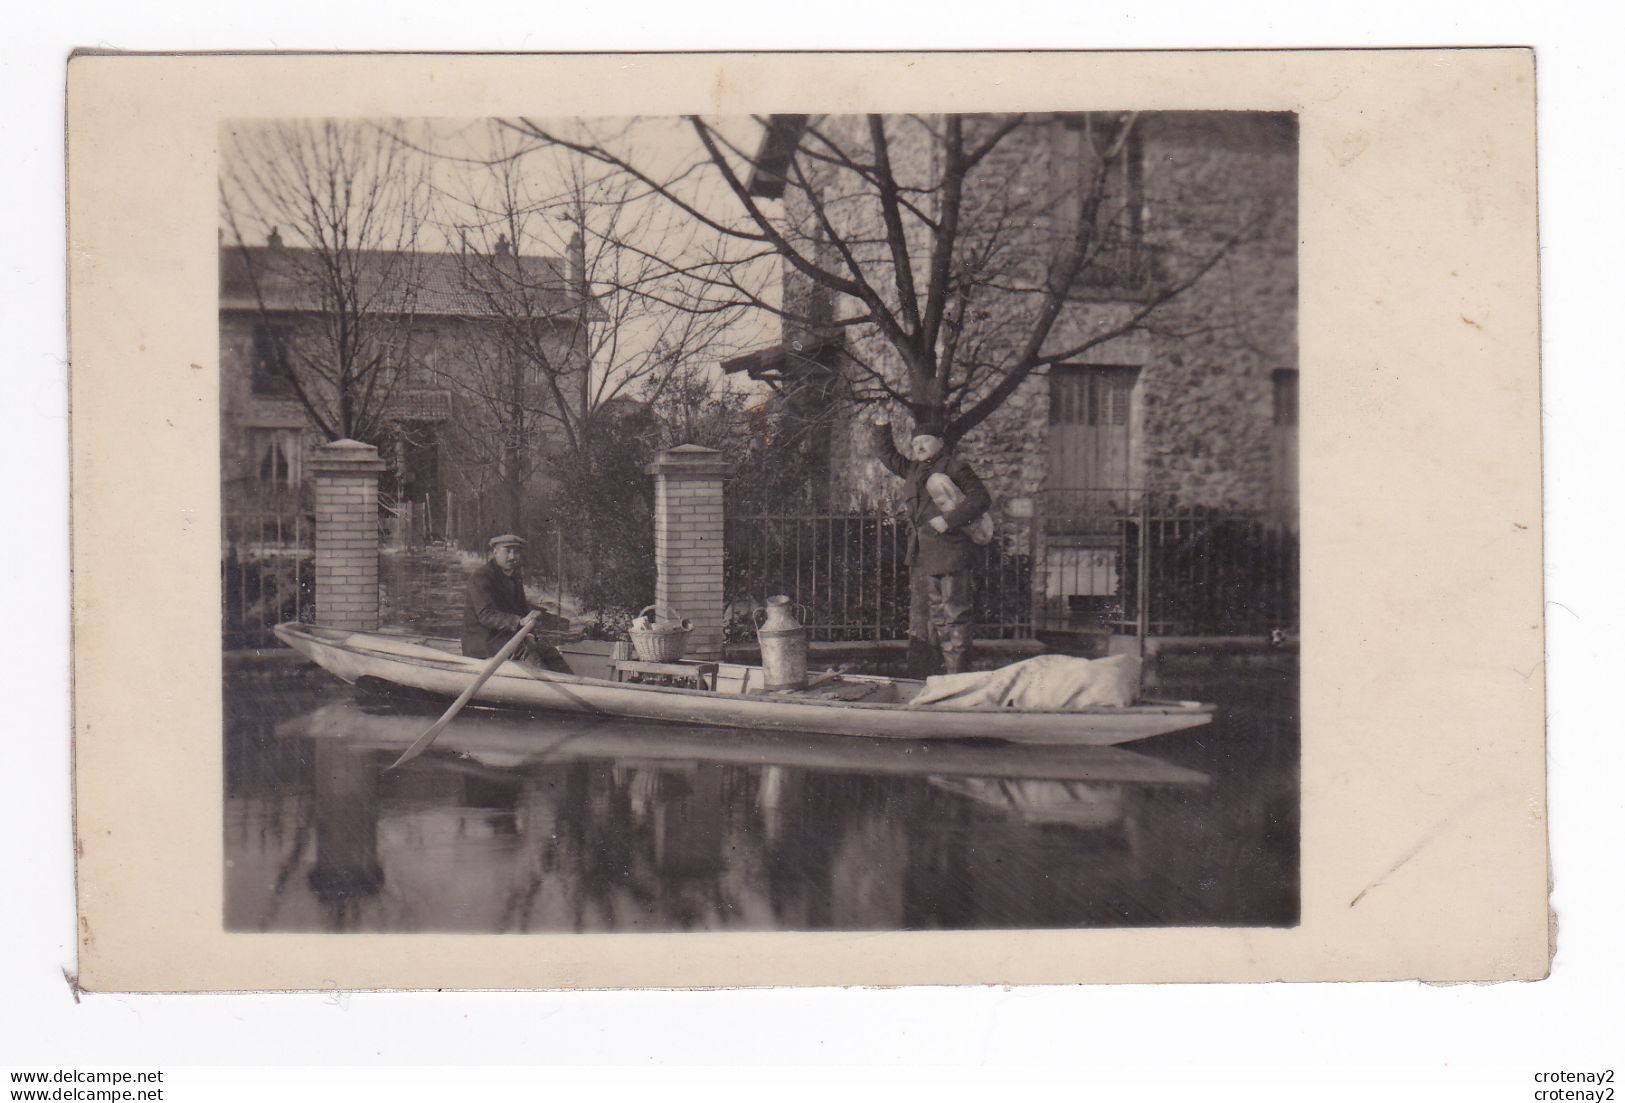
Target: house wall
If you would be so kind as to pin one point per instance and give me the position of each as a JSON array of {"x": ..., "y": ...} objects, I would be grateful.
[
  {"x": 242, "y": 410},
  {"x": 1208, "y": 396},
  {"x": 1203, "y": 403},
  {"x": 444, "y": 354}
]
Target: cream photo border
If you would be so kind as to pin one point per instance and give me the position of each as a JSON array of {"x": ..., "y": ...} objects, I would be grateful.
[{"x": 1424, "y": 849}]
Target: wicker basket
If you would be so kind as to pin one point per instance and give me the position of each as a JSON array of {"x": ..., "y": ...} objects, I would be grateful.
[{"x": 661, "y": 643}]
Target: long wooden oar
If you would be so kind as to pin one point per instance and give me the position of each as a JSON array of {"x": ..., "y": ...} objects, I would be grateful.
[{"x": 496, "y": 660}]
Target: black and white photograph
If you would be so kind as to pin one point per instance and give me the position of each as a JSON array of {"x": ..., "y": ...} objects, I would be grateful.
[
  {"x": 965, "y": 552},
  {"x": 775, "y": 522}
]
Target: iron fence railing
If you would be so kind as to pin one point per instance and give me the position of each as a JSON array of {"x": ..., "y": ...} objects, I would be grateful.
[
  {"x": 267, "y": 563},
  {"x": 1074, "y": 565},
  {"x": 848, "y": 570},
  {"x": 1080, "y": 562},
  {"x": 1217, "y": 572},
  {"x": 851, "y": 573}
]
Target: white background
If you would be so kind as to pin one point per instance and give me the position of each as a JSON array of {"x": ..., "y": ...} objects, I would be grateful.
[{"x": 1269, "y": 1041}]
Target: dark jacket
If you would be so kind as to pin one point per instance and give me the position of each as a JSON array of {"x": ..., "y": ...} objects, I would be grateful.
[
  {"x": 935, "y": 553},
  {"x": 492, "y": 610}
]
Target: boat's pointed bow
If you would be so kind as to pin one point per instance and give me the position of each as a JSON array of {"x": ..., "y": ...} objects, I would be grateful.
[{"x": 299, "y": 637}]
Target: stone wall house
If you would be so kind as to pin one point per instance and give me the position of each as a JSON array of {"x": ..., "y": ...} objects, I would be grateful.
[
  {"x": 436, "y": 428},
  {"x": 1198, "y": 403}
]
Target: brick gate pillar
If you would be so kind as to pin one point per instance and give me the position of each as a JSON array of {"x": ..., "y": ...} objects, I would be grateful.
[
  {"x": 688, "y": 541},
  {"x": 347, "y": 534}
]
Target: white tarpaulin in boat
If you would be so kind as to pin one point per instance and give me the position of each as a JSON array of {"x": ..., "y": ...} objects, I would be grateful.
[{"x": 1042, "y": 682}]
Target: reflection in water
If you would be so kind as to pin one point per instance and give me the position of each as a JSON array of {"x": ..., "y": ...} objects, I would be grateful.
[
  {"x": 526, "y": 823},
  {"x": 346, "y": 866}
]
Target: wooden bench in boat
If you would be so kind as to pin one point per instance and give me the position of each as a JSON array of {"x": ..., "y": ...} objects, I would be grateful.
[{"x": 700, "y": 675}]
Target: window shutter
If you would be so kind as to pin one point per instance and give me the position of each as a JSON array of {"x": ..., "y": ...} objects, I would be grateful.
[{"x": 1121, "y": 388}]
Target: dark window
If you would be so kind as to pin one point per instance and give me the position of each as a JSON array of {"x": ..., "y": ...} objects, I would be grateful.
[
  {"x": 274, "y": 465},
  {"x": 1090, "y": 396},
  {"x": 1120, "y": 259},
  {"x": 270, "y": 356},
  {"x": 274, "y": 454},
  {"x": 423, "y": 365}
]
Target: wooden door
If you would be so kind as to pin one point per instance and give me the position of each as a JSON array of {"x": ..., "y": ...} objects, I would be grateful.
[
  {"x": 1086, "y": 491},
  {"x": 1089, "y": 429}
]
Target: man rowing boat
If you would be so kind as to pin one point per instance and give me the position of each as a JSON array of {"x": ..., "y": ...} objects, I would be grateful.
[{"x": 495, "y": 606}]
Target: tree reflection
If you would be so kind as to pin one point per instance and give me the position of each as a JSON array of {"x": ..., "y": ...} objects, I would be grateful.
[{"x": 522, "y": 823}]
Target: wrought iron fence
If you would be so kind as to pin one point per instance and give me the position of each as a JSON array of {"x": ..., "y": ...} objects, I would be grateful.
[
  {"x": 267, "y": 563},
  {"x": 1207, "y": 572},
  {"x": 851, "y": 573},
  {"x": 849, "y": 570},
  {"x": 1074, "y": 565},
  {"x": 1082, "y": 559},
  {"x": 1216, "y": 572}
]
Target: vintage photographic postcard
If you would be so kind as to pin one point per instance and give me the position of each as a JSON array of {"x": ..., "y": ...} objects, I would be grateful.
[{"x": 655, "y": 520}]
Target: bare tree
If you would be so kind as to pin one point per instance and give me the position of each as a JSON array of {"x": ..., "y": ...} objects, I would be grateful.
[
  {"x": 339, "y": 205},
  {"x": 617, "y": 320},
  {"x": 572, "y": 333},
  {"x": 970, "y": 264},
  {"x": 936, "y": 262},
  {"x": 499, "y": 426}
]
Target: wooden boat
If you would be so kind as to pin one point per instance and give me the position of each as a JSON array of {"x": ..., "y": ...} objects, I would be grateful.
[{"x": 833, "y": 704}]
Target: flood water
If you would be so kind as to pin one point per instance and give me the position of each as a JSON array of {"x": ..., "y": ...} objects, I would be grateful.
[{"x": 550, "y": 823}]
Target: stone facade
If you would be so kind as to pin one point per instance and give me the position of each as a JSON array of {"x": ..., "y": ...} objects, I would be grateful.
[
  {"x": 1208, "y": 398},
  {"x": 688, "y": 542},
  {"x": 1202, "y": 426}
]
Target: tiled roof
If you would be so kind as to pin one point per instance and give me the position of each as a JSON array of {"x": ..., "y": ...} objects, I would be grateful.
[
  {"x": 426, "y": 283},
  {"x": 420, "y": 404}
]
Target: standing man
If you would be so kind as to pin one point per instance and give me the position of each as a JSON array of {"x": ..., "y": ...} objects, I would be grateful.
[
  {"x": 939, "y": 514},
  {"x": 495, "y": 606}
]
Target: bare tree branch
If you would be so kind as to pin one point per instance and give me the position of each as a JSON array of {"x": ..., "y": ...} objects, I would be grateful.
[{"x": 351, "y": 200}]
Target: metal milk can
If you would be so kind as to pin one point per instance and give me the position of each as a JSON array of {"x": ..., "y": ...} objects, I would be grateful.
[{"x": 783, "y": 642}]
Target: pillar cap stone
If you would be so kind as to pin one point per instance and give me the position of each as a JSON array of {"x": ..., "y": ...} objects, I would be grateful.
[
  {"x": 347, "y": 457},
  {"x": 689, "y": 461}
]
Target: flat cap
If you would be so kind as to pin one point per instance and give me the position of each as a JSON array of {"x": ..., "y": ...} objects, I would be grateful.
[
  {"x": 507, "y": 540},
  {"x": 928, "y": 426}
]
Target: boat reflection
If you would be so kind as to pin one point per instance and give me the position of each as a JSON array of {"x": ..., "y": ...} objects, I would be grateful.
[
  {"x": 514, "y": 739},
  {"x": 527, "y": 823}
]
